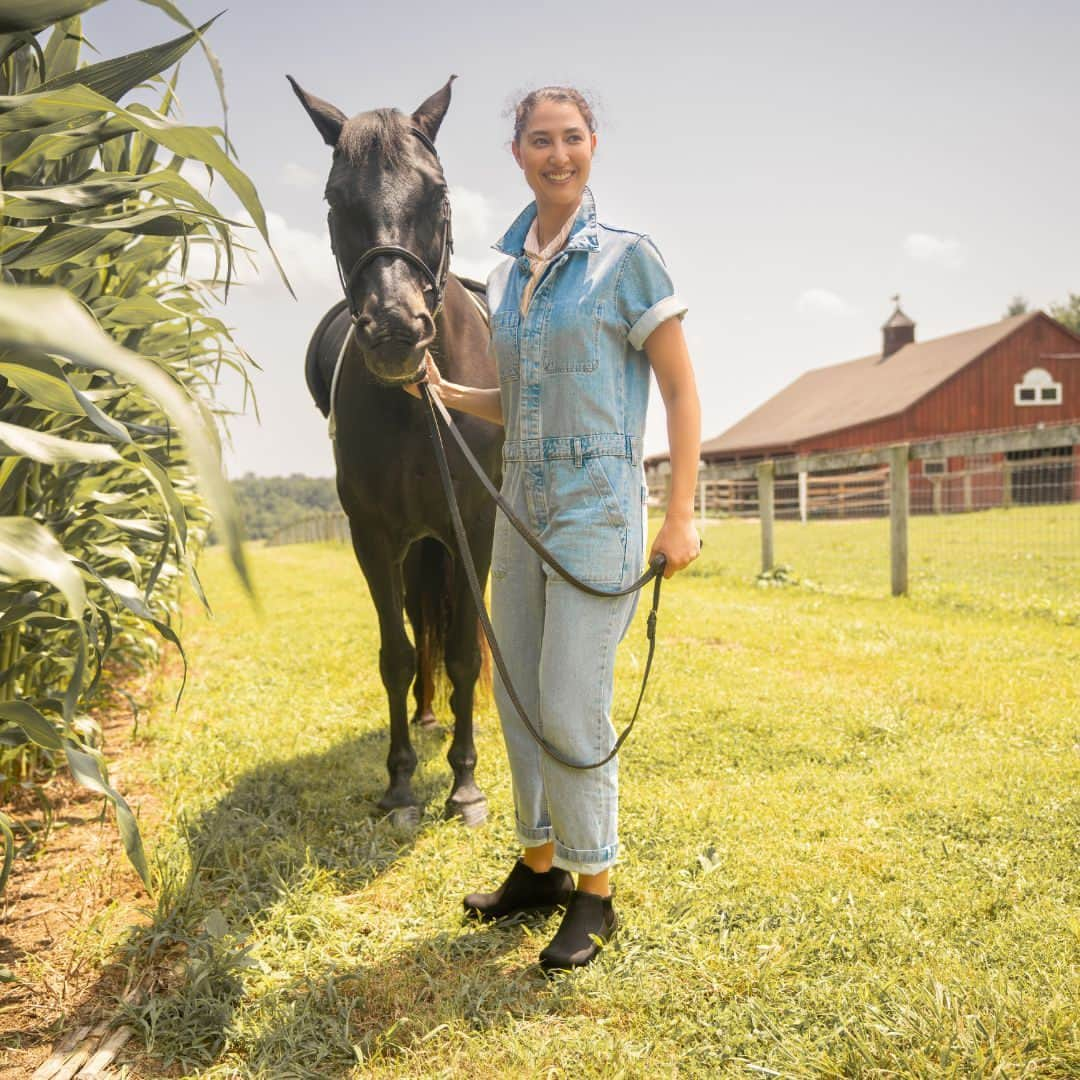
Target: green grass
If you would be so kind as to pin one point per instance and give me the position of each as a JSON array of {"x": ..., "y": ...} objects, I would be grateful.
[
  {"x": 850, "y": 828},
  {"x": 1024, "y": 560}
]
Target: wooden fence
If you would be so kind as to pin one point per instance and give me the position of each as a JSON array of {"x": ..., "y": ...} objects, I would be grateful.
[
  {"x": 1008, "y": 467},
  {"x": 1031, "y": 465}
]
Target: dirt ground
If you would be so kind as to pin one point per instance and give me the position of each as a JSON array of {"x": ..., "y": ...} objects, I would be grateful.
[{"x": 67, "y": 906}]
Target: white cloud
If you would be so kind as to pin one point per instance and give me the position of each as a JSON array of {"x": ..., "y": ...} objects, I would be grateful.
[
  {"x": 299, "y": 176},
  {"x": 199, "y": 177},
  {"x": 305, "y": 255},
  {"x": 472, "y": 218},
  {"x": 477, "y": 269},
  {"x": 822, "y": 302},
  {"x": 474, "y": 233},
  {"x": 934, "y": 249}
]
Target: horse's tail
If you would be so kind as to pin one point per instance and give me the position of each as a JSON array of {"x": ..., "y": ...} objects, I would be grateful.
[{"x": 436, "y": 580}]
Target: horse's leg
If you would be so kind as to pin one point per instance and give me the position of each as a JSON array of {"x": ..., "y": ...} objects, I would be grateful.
[
  {"x": 424, "y": 683},
  {"x": 397, "y": 663},
  {"x": 466, "y": 800}
]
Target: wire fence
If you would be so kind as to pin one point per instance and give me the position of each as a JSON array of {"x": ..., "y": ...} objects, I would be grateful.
[
  {"x": 988, "y": 520},
  {"x": 329, "y": 527},
  {"x": 981, "y": 521}
]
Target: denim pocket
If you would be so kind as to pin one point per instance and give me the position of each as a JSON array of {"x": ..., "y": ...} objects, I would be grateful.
[
  {"x": 505, "y": 332},
  {"x": 587, "y": 528},
  {"x": 571, "y": 336}
]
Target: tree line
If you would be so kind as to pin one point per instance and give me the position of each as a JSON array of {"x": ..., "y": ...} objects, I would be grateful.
[{"x": 269, "y": 503}]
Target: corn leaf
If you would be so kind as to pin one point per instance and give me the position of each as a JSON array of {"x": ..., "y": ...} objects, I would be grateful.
[
  {"x": 49, "y": 320},
  {"x": 87, "y": 769},
  {"x": 16, "y": 15},
  {"x": 114, "y": 78},
  {"x": 49, "y": 449},
  {"x": 37, "y": 727},
  {"x": 29, "y": 552}
]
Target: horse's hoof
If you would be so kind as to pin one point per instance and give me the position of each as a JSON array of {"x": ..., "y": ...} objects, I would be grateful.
[
  {"x": 405, "y": 817},
  {"x": 425, "y": 719},
  {"x": 471, "y": 814}
]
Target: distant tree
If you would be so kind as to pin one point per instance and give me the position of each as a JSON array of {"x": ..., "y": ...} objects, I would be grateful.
[
  {"x": 1068, "y": 313},
  {"x": 268, "y": 503},
  {"x": 1018, "y": 305}
]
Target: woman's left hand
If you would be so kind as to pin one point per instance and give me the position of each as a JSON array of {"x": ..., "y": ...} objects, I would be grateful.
[{"x": 679, "y": 542}]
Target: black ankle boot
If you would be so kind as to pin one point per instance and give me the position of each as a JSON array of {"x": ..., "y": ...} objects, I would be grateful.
[
  {"x": 523, "y": 890},
  {"x": 587, "y": 915}
]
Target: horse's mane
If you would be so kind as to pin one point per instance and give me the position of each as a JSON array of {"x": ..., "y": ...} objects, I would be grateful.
[{"x": 381, "y": 131}]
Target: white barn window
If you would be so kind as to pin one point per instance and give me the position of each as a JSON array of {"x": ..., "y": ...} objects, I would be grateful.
[{"x": 1037, "y": 388}]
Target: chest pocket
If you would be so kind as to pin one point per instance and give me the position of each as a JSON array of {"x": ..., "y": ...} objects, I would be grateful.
[
  {"x": 505, "y": 332},
  {"x": 570, "y": 337}
]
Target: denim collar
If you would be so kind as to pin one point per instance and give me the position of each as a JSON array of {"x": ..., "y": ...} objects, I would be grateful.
[{"x": 583, "y": 234}]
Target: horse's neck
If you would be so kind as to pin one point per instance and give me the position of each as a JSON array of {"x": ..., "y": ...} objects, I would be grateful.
[{"x": 462, "y": 320}]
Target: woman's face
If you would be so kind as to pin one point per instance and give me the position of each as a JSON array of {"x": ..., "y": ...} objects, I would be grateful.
[{"x": 555, "y": 152}]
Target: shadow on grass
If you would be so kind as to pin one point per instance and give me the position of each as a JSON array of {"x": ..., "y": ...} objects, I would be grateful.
[
  {"x": 381, "y": 1014},
  {"x": 248, "y": 866}
]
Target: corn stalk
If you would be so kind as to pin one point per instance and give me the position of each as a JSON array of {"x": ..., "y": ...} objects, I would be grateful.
[{"x": 109, "y": 357}]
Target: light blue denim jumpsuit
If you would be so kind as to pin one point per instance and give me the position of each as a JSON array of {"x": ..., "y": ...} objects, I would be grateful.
[{"x": 574, "y": 385}]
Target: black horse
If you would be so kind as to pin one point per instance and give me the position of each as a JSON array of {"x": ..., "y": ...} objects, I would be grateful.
[{"x": 390, "y": 231}]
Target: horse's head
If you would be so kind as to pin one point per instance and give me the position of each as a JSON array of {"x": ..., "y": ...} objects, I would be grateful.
[{"x": 389, "y": 226}]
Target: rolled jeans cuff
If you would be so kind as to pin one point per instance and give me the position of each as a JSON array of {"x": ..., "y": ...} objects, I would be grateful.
[
  {"x": 585, "y": 862},
  {"x": 530, "y": 837}
]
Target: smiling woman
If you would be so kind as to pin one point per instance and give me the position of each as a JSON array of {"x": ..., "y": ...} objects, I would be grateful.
[{"x": 580, "y": 314}]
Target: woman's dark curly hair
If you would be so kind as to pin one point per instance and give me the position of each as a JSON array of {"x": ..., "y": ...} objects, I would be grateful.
[{"x": 567, "y": 94}]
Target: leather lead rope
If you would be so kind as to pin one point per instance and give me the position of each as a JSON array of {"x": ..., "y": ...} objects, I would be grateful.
[{"x": 655, "y": 573}]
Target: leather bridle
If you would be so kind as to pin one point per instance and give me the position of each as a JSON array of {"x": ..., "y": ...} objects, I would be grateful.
[{"x": 435, "y": 280}]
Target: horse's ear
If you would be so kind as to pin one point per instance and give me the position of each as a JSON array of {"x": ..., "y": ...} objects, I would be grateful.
[
  {"x": 430, "y": 115},
  {"x": 326, "y": 117}
]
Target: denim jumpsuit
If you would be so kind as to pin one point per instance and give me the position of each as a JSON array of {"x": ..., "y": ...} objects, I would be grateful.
[{"x": 574, "y": 385}]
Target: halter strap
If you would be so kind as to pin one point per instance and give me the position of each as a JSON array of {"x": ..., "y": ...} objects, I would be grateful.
[{"x": 435, "y": 279}]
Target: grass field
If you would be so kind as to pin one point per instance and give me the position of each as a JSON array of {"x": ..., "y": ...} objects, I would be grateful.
[
  {"x": 1024, "y": 560},
  {"x": 851, "y": 830}
]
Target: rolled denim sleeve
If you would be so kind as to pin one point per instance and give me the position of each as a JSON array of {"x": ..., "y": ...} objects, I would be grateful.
[{"x": 645, "y": 293}]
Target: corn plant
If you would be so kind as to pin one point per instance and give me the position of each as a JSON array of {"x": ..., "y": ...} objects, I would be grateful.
[{"x": 109, "y": 357}]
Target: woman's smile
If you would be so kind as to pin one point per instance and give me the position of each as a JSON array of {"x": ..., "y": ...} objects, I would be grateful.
[{"x": 555, "y": 152}]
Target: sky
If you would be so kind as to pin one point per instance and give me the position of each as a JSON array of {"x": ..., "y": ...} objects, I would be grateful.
[{"x": 797, "y": 164}]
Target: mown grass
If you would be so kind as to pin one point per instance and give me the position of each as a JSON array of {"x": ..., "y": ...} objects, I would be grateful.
[
  {"x": 1025, "y": 559},
  {"x": 850, "y": 830}
]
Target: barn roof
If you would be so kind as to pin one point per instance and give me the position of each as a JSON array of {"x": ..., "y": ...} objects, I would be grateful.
[{"x": 859, "y": 391}]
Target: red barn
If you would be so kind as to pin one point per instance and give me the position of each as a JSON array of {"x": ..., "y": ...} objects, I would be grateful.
[{"x": 1023, "y": 371}]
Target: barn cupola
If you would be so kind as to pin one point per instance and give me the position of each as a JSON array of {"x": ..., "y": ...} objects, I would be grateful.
[{"x": 897, "y": 332}]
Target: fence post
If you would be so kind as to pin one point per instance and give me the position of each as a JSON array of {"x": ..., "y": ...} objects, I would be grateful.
[
  {"x": 702, "y": 492},
  {"x": 804, "y": 491},
  {"x": 765, "y": 474},
  {"x": 898, "y": 517}
]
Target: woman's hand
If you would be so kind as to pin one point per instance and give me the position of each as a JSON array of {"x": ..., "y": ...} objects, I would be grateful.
[
  {"x": 678, "y": 541},
  {"x": 431, "y": 377},
  {"x": 485, "y": 402}
]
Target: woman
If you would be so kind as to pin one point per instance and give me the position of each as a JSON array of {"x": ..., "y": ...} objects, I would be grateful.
[{"x": 579, "y": 313}]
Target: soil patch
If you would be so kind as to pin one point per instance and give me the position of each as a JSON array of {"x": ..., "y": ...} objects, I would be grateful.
[{"x": 68, "y": 904}]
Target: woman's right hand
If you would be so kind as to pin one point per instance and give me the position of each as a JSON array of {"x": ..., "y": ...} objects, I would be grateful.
[
  {"x": 484, "y": 402},
  {"x": 431, "y": 376}
]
